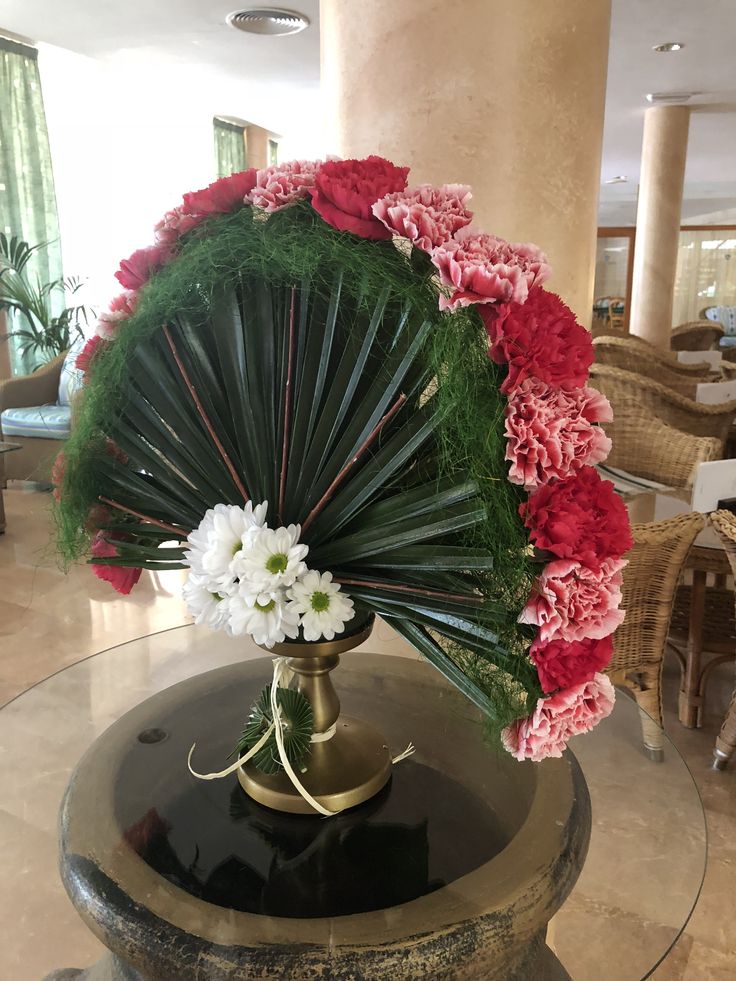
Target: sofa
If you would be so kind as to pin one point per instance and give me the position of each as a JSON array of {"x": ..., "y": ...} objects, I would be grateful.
[{"x": 35, "y": 411}]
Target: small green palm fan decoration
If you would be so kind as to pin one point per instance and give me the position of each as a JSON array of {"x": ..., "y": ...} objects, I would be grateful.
[{"x": 279, "y": 373}]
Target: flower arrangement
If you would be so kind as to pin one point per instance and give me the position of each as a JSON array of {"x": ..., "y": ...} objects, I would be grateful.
[{"x": 406, "y": 395}]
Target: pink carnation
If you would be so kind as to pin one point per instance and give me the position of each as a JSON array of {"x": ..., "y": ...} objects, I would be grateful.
[
  {"x": 282, "y": 184},
  {"x": 121, "y": 578},
  {"x": 484, "y": 269},
  {"x": 135, "y": 271},
  {"x": 122, "y": 307},
  {"x": 562, "y": 663},
  {"x": 428, "y": 216},
  {"x": 572, "y": 601},
  {"x": 173, "y": 225},
  {"x": 221, "y": 196},
  {"x": 556, "y": 719},
  {"x": 551, "y": 432},
  {"x": 94, "y": 347}
]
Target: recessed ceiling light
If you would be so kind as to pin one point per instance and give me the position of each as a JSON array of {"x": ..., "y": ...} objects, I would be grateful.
[
  {"x": 669, "y": 46},
  {"x": 268, "y": 20},
  {"x": 669, "y": 98},
  {"x": 621, "y": 179}
]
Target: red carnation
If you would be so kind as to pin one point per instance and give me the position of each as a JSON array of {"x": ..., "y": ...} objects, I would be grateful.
[
  {"x": 540, "y": 338},
  {"x": 122, "y": 578},
  {"x": 562, "y": 663},
  {"x": 90, "y": 352},
  {"x": 346, "y": 190},
  {"x": 580, "y": 518},
  {"x": 222, "y": 196},
  {"x": 136, "y": 270}
]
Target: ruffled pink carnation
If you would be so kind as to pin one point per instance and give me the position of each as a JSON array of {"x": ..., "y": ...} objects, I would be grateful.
[
  {"x": 281, "y": 184},
  {"x": 556, "y": 719},
  {"x": 136, "y": 270},
  {"x": 90, "y": 352},
  {"x": 173, "y": 225},
  {"x": 346, "y": 190},
  {"x": 221, "y": 196},
  {"x": 571, "y": 601},
  {"x": 562, "y": 663},
  {"x": 551, "y": 433},
  {"x": 121, "y": 578},
  {"x": 428, "y": 216},
  {"x": 484, "y": 269},
  {"x": 122, "y": 307}
]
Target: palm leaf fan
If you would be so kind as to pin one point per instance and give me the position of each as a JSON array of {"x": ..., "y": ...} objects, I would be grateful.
[{"x": 281, "y": 360}]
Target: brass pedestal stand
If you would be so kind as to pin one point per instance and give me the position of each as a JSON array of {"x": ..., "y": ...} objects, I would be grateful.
[{"x": 343, "y": 770}]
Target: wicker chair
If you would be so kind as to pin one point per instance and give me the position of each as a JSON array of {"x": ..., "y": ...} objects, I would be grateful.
[
  {"x": 650, "y": 581},
  {"x": 672, "y": 408},
  {"x": 696, "y": 335},
  {"x": 647, "y": 447},
  {"x": 725, "y": 525},
  {"x": 620, "y": 352}
]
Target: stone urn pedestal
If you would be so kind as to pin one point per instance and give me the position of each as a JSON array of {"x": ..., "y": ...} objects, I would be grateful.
[{"x": 452, "y": 870}]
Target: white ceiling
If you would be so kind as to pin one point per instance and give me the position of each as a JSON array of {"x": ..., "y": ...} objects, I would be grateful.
[{"x": 275, "y": 81}]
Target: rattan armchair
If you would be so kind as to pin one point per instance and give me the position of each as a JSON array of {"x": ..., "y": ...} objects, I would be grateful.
[
  {"x": 643, "y": 358},
  {"x": 672, "y": 408},
  {"x": 650, "y": 581},
  {"x": 725, "y": 525},
  {"x": 696, "y": 335},
  {"x": 647, "y": 447}
]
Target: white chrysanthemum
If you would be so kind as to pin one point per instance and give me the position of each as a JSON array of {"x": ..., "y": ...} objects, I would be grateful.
[
  {"x": 324, "y": 609},
  {"x": 273, "y": 558},
  {"x": 223, "y": 532},
  {"x": 266, "y": 616},
  {"x": 207, "y": 607}
]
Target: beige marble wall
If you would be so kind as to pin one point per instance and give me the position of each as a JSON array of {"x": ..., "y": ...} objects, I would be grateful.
[
  {"x": 507, "y": 97},
  {"x": 664, "y": 151}
]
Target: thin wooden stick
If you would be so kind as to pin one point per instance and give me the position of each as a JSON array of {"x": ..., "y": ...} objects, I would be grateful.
[
  {"x": 200, "y": 408},
  {"x": 349, "y": 466},
  {"x": 179, "y": 532},
  {"x": 397, "y": 588},
  {"x": 287, "y": 407}
]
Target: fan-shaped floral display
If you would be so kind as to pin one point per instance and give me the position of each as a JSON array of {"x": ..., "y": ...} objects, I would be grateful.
[{"x": 329, "y": 396}]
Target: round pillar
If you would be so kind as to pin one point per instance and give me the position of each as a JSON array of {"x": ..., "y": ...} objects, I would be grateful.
[
  {"x": 506, "y": 97},
  {"x": 663, "y": 155}
]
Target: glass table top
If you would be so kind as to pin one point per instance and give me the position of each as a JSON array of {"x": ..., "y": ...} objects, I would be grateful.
[{"x": 641, "y": 879}]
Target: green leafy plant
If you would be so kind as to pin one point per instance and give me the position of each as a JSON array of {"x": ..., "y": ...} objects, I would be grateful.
[{"x": 43, "y": 333}]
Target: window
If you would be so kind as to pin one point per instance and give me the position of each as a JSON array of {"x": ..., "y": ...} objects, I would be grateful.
[{"x": 230, "y": 155}]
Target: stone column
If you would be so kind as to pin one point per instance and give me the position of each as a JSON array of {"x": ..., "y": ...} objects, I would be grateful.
[
  {"x": 663, "y": 154},
  {"x": 506, "y": 97}
]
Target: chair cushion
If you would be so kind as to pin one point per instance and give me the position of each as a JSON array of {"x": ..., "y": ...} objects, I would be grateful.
[
  {"x": 45, "y": 421},
  {"x": 726, "y": 316},
  {"x": 71, "y": 378}
]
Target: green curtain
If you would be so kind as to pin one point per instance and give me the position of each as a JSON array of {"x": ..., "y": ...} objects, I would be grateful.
[
  {"x": 229, "y": 148},
  {"x": 27, "y": 195}
]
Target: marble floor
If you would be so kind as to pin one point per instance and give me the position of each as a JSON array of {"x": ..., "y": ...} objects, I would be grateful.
[{"x": 49, "y": 621}]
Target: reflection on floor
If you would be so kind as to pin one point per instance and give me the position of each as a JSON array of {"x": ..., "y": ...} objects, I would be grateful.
[{"x": 48, "y": 621}]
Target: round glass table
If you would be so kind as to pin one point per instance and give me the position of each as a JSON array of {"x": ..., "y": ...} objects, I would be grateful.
[{"x": 638, "y": 887}]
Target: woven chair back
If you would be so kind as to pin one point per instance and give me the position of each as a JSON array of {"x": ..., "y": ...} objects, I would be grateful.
[
  {"x": 647, "y": 447},
  {"x": 696, "y": 335},
  {"x": 650, "y": 581},
  {"x": 621, "y": 353},
  {"x": 672, "y": 408}
]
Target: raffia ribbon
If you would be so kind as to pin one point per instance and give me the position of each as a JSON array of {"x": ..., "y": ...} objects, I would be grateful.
[{"x": 282, "y": 674}]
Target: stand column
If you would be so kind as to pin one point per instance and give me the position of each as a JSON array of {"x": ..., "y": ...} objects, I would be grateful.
[
  {"x": 664, "y": 150},
  {"x": 506, "y": 97}
]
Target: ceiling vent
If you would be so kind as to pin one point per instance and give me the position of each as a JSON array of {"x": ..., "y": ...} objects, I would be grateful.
[{"x": 268, "y": 20}]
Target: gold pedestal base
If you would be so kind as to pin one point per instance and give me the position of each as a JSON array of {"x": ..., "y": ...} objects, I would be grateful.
[{"x": 342, "y": 772}]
